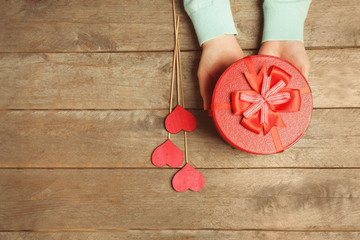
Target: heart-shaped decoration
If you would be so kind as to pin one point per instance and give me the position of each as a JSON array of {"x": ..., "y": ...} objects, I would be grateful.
[
  {"x": 180, "y": 119},
  {"x": 188, "y": 178},
  {"x": 167, "y": 153}
]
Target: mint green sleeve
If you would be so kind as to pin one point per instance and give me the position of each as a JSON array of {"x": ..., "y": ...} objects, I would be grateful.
[
  {"x": 284, "y": 19},
  {"x": 211, "y": 18}
]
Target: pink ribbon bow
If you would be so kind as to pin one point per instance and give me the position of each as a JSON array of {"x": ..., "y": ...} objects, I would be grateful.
[
  {"x": 260, "y": 102},
  {"x": 269, "y": 96}
]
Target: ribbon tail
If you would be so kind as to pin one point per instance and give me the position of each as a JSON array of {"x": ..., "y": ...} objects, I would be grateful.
[
  {"x": 253, "y": 123},
  {"x": 275, "y": 120}
]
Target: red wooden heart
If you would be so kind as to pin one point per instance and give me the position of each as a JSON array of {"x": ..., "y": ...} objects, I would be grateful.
[
  {"x": 188, "y": 178},
  {"x": 180, "y": 119},
  {"x": 167, "y": 153}
]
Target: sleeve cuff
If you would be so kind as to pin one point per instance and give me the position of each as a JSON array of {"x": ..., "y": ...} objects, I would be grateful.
[
  {"x": 210, "y": 18},
  {"x": 284, "y": 19}
]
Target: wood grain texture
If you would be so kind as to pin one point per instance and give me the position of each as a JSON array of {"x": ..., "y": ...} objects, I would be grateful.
[
  {"x": 181, "y": 234},
  {"x": 89, "y": 26},
  {"x": 117, "y": 139},
  {"x": 257, "y": 199},
  {"x": 330, "y": 77},
  {"x": 110, "y": 80},
  {"x": 84, "y": 93},
  {"x": 78, "y": 81}
]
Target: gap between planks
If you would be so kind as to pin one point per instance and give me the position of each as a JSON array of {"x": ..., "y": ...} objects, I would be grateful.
[
  {"x": 178, "y": 229},
  {"x": 133, "y": 109},
  {"x": 169, "y": 168},
  {"x": 172, "y": 50}
]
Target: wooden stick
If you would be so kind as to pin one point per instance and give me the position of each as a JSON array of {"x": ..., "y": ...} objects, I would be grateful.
[
  {"x": 186, "y": 148},
  {"x": 179, "y": 72},
  {"x": 174, "y": 15},
  {"x": 178, "y": 65},
  {"x": 181, "y": 77},
  {"x": 182, "y": 97},
  {"x": 176, "y": 26},
  {"x": 176, "y": 29},
  {"x": 183, "y": 102}
]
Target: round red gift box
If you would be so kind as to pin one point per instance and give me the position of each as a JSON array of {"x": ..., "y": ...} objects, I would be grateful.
[{"x": 245, "y": 78}]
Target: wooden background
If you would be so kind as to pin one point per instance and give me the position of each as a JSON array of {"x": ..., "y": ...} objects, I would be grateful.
[{"x": 83, "y": 95}]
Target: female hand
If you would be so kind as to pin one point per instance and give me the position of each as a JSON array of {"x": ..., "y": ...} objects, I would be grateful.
[
  {"x": 291, "y": 51},
  {"x": 217, "y": 55}
]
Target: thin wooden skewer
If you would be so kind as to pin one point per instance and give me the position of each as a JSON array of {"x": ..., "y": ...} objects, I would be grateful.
[
  {"x": 181, "y": 77},
  {"x": 176, "y": 26},
  {"x": 178, "y": 72},
  {"x": 174, "y": 15},
  {"x": 172, "y": 80},
  {"x": 179, "y": 69}
]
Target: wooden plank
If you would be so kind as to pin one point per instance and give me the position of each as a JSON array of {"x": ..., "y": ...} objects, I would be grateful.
[
  {"x": 85, "y": 81},
  {"x": 117, "y": 139},
  {"x": 329, "y": 77},
  {"x": 142, "y": 80},
  {"x": 181, "y": 234},
  {"x": 336, "y": 14},
  {"x": 120, "y": 199},
  {"x": 89, "y": 26}
]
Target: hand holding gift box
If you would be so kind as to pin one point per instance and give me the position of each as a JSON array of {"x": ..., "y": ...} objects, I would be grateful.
[{"x": 214, "y": 25}]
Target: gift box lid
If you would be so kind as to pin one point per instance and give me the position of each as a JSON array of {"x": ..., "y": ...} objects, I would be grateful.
[{"x": 262, "y": 104}]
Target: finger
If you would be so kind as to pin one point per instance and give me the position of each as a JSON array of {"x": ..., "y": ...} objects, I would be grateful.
[
  {"x": 206, "y": 85},
  {"x": 306, "y": 71}
]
